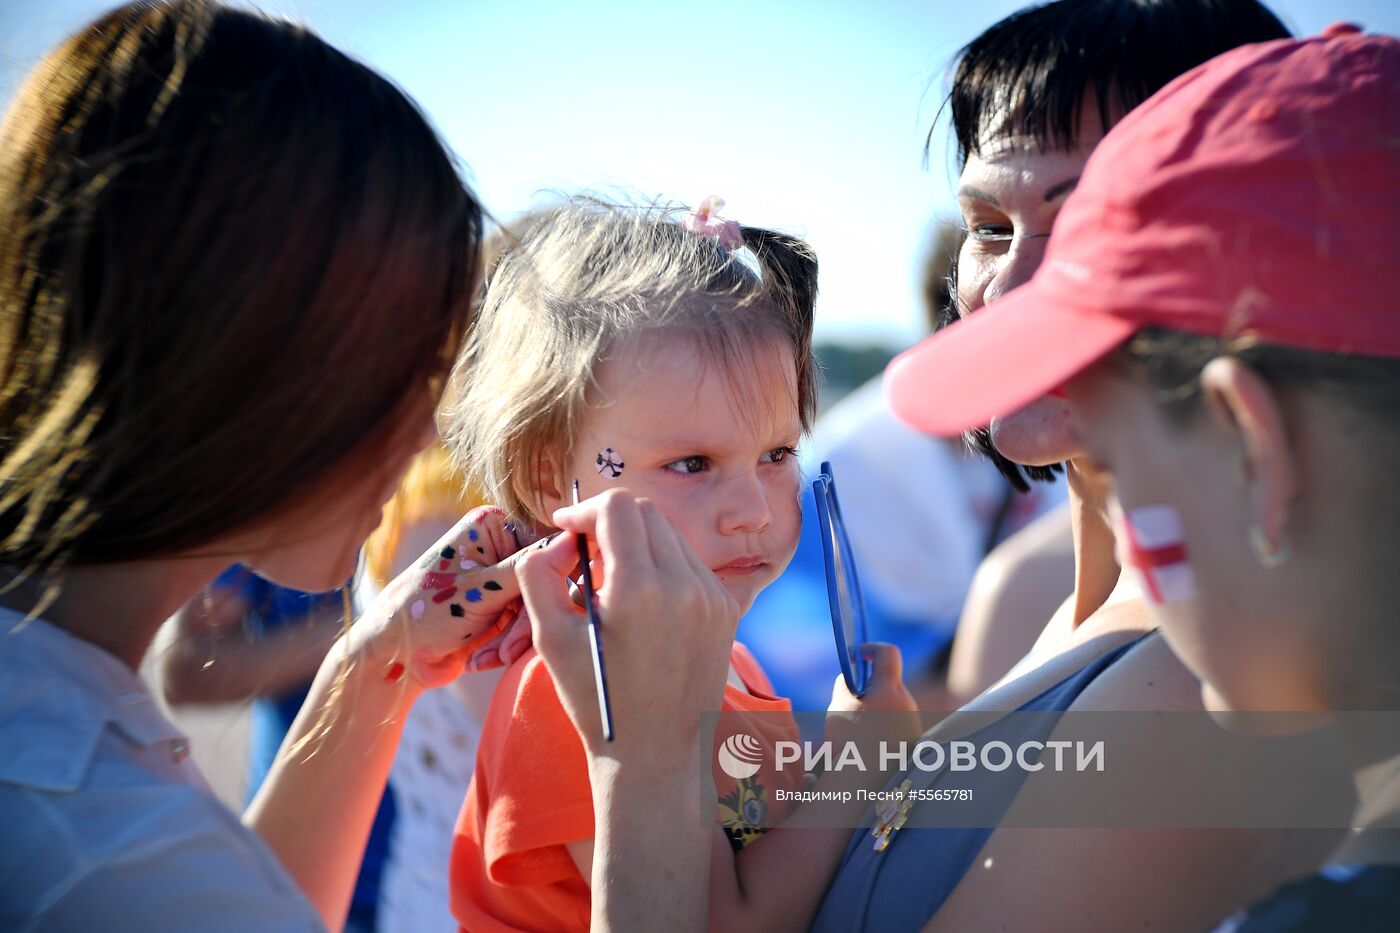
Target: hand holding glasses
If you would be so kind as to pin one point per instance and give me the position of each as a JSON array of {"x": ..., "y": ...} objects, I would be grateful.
[{"x": 842, "y": 585}]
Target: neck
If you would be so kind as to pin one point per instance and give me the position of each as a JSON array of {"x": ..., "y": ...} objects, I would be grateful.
[
  {"x": 1096, "y": 567},
  {"x": 118, "y": 607}
]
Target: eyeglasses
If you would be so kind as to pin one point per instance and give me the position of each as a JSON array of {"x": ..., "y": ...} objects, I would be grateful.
[{"x": 842, "y": 585}]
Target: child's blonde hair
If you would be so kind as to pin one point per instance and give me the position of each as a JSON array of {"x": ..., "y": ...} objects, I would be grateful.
[{"x": 585, "y": 276}]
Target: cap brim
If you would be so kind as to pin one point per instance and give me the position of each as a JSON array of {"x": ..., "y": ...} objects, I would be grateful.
[{"x": 997, "y": 361}]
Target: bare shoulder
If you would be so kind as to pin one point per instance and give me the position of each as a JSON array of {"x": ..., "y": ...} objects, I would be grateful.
[
  {"x": 1017, "y": 587},
  {"x": 1148, "y": 677}
]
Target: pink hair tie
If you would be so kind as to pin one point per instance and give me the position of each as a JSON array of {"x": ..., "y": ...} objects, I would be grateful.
[{"x": 705, "y": 220}]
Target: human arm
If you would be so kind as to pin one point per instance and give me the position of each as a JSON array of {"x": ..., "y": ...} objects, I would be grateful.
[
  {"x": 208, "y": 655},
  {"x": 777, "y": 882},
  {"x": 668, "y": 629},
  {"x": 317, "y": 804},
  {"x": 1014, "y": 591}
]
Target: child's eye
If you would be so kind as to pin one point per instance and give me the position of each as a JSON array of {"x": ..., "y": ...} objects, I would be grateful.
[
  {"x": 688, "y": 465},
  {"x": 779, "y": 454}
]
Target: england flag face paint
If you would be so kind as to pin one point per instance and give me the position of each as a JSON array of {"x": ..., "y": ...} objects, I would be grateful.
[{"x": 1152, "y": 541}]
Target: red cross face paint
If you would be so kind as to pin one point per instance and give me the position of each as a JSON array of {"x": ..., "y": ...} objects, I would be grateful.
[{"x": 1152, "y": 542}]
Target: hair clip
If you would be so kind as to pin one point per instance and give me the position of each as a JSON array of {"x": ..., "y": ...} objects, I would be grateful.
[{"x": 705, "y": 220}]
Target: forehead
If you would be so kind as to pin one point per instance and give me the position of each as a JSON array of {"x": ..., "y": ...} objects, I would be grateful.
[
  {"x": 1013, "y": 160},
  {"x": 1011, "y": 171},
  {"x": 671, "y": 385}
]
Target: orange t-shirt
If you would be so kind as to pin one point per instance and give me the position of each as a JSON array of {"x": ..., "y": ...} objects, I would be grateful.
[{"x": 530, "y": 796}]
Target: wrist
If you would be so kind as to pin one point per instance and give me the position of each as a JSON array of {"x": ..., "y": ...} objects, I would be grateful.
[
  {"x": 632, "y": 765},
  {"x": 377, "y": 666},
  {"x": 681, "y": 791}
]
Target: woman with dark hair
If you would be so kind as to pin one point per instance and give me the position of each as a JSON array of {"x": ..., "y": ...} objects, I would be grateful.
[
  {"x": 235, "y": 268},
  {"x": 1221, "y": 317},
  {"x": 1030, "y": 99}
]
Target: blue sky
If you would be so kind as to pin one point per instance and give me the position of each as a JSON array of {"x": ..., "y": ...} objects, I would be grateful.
[{"x": 807, "y": 116}]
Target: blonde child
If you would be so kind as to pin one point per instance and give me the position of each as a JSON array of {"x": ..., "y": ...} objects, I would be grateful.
[{"x": 673, "y": 355}]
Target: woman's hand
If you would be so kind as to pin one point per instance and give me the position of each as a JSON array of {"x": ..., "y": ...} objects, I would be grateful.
[
  {"x": 458, "y": 607},
  {"x": 667, "y": 623}
]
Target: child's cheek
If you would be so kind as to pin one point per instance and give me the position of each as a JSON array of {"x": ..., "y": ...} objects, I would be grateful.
[{"x": 787, "y": 511}]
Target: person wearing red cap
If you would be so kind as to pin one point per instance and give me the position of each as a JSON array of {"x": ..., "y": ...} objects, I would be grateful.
[{"x": 1219, "y": 306}]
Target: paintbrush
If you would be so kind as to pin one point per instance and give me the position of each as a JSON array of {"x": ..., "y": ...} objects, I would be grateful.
[{"x": 595, "y": 635}]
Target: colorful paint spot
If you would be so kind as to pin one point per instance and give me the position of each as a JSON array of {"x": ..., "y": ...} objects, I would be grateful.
[{"x": 438, "y": 581}]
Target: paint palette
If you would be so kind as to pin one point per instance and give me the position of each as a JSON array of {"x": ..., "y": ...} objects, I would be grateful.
[{"x": 842, "y": 585}]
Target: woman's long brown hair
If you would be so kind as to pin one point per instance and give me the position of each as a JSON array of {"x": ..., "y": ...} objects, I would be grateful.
[{"x": 228, "y": 255}]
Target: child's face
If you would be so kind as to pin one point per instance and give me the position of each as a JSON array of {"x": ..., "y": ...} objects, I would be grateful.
[{"x": 713, "y": 449}]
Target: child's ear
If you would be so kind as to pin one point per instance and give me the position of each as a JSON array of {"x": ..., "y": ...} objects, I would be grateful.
[{"x": 540, "y": 488}]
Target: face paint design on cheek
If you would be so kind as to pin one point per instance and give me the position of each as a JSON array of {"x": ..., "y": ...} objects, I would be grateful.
[
  {"x": 1152, "y": 541},
  {"x": 610, "y": 462}
]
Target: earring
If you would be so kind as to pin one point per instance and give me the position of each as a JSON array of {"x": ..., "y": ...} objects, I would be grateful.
[{"x": 1269, "y": 554}]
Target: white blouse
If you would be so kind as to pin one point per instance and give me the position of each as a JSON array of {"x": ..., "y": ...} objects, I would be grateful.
[{"x": 105, "y": 822}]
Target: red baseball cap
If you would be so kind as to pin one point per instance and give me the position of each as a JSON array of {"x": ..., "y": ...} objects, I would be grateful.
[{"x": 1257, "y": 196}]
